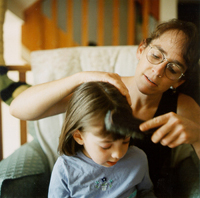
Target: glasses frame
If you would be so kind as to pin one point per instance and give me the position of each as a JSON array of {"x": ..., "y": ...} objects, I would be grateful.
[{"x": 164, "y": 58}]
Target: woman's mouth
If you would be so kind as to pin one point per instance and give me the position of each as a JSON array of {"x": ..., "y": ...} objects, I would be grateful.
[{"x": 149, "y": 80}]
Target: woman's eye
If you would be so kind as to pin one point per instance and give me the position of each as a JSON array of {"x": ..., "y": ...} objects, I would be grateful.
[
  {"x": 155, "y": 56},
  {"x": 171, "y": 69}
]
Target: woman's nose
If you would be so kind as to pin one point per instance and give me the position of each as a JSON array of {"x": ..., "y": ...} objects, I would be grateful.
[{"x": 159, "y": 69}]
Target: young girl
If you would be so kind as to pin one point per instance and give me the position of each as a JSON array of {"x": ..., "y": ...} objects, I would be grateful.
[{"x": 94, "y": 161}]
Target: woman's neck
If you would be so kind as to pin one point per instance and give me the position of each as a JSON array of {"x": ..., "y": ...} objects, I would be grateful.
[{"x": 142, "y": 103}]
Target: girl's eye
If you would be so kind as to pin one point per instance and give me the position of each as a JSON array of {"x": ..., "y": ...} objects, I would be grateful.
[
  {"x": 127, "y": 142},
  {"x": 106, "y": 148}
]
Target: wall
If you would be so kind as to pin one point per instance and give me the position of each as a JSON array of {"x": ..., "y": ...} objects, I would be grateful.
[
  {"x": 53, "y": 24},
  {"x": 12, "y": 56},
  {"x": 168, "y": 9}
]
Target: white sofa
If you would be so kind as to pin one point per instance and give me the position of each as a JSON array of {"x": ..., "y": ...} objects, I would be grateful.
[{"x": 26, "y": 172}]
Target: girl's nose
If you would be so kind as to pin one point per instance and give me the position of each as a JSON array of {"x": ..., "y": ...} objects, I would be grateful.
[{"x": 117, "y": 154}]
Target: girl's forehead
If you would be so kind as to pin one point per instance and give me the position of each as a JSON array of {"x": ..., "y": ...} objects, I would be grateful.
[
  {"x": 95, "y": 135},
  {"x": 95, "y": 129}
]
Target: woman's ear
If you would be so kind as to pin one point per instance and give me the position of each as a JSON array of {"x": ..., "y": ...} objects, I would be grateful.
[
  {"x": 78, "y": 137},
  {"x": 140, "y": 50},
  {"x": 177, "y": 84}
]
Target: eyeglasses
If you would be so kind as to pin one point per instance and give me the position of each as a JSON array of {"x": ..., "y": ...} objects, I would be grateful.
[{"x": 172, "y": 70}]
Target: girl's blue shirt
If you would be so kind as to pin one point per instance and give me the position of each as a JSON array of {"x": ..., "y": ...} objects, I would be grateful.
[{"x": 79, "y": 176}]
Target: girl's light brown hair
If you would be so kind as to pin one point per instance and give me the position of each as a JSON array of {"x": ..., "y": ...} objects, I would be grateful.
[{"x": 87, "y": 107}]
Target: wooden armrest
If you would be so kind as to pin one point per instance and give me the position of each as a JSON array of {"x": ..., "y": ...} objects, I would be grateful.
[{"x": 19, "y": 68}]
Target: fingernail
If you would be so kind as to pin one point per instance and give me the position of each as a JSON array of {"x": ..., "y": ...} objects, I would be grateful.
[{"x": 141, "y": 127}]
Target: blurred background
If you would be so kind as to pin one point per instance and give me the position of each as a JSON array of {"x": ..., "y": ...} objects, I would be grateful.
[{"x": 48, "y": 24}]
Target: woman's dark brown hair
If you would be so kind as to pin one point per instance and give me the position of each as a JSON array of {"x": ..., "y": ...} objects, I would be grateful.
[
  {"x": 190, "y": 48},
  {"x": 87, "y": 107}
]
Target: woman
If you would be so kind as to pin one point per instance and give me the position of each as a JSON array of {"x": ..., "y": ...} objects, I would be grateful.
[{"x": 165, "y": 60}]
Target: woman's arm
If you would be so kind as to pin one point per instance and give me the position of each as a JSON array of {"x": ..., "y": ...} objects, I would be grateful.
[
  {"x": 44, "y": 99},
  {"x": 51, "y": 98},
  {"x": 188, "y": 108},
  {"x": 180, "y": 128}
]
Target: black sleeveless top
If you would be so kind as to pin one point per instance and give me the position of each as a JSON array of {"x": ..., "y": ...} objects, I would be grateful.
[{"x": 159, "y": 156}]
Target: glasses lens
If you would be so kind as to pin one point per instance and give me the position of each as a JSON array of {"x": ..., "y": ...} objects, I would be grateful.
[
  {"x": 154, "y": 56},
  {"x": 173, "y": 71}
]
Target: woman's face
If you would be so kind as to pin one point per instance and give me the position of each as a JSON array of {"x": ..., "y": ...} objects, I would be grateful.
[{"x": 151, "y": 78}]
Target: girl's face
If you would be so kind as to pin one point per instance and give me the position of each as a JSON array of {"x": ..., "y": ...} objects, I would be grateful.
[
  {"x": 151, "y": 78},
  {"x": 103, "y": 151}
]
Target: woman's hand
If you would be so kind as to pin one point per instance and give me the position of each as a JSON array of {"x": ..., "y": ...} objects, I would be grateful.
[
  {"x": 112, "y": 78},
  {"x": 173, "y": 130}
]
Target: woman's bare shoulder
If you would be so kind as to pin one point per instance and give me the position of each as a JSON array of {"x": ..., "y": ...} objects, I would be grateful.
[
  {"x": 185, "y": 99},
  {"x": 187, "y": 106}
]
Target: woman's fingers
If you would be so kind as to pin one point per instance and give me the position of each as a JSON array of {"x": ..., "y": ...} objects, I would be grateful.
[
  {"x": 111, "y": 78},
  {"x": 173, "y": 130},
  {"x": 155, "y": 122},
  {"x": 172, "y": 139},
  {"x": 115, "y": 80}
]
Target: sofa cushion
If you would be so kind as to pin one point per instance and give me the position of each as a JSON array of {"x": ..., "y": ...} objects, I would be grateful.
[{"x": 26, "y": 161}]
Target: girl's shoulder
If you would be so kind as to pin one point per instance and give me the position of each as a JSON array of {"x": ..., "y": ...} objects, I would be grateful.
[
  {"x": 70, "y": 163},
  {"x": 64, "y": 160},
  {"x": 134, "y": 157},
  {"x": 136, "y": 152}
]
